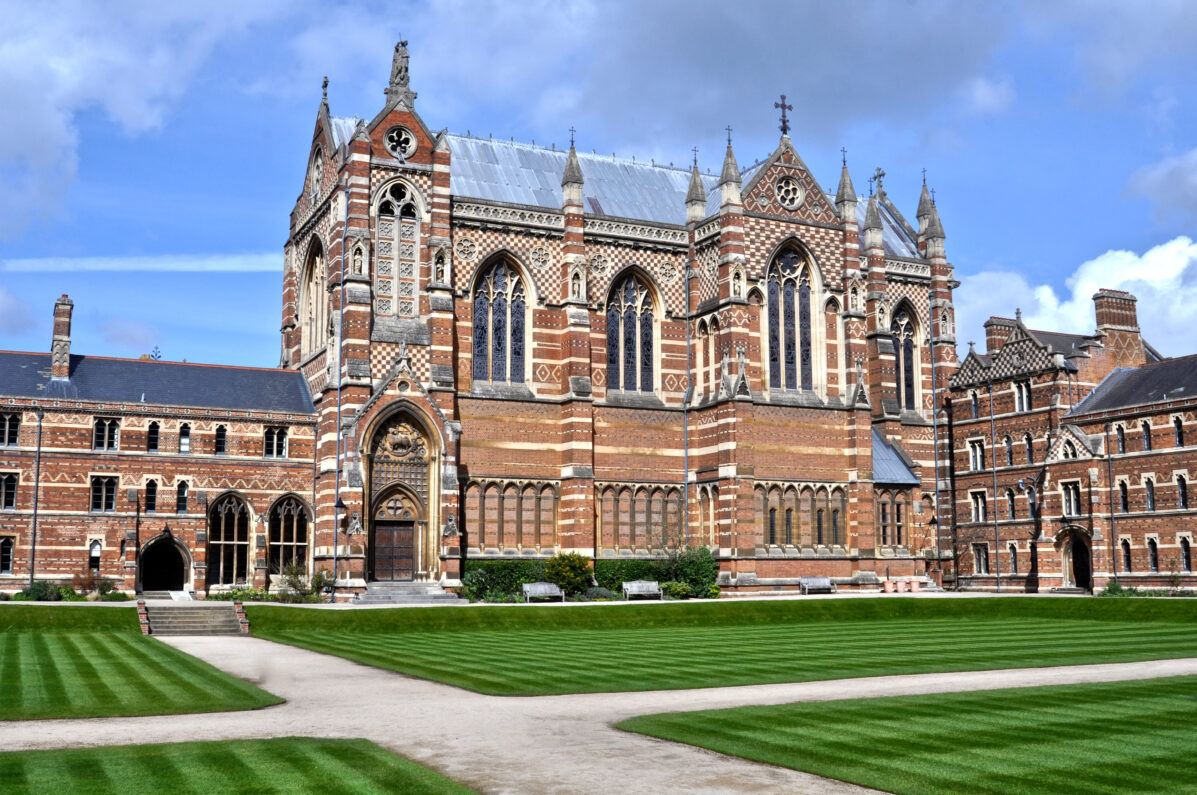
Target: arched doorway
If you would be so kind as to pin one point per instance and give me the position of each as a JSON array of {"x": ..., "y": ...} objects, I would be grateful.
[
  {"x": 394, "y": 535},
  {"x": 1076, "y": 561},
  {"x": 404, "y": 494},
  {"x": 163, "y": 566}
]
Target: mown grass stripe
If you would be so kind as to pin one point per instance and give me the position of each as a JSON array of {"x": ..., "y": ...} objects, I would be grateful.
[{"x": 89, "y": 684}]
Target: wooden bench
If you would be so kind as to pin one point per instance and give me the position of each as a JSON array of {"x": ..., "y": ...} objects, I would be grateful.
[
  {"x": 647, "y": 588},
  {"x": 809, "y": 585},
  {"x": 542, "y": 590}
]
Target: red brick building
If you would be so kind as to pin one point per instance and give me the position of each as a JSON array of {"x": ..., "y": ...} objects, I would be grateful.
[
  {"x": 1072, "y": 457},
  {"x": 514, "y": 350}
]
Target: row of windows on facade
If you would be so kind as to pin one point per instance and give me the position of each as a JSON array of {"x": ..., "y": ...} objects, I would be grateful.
[
  {"x": 976, "y": 447},
  {"x": 1185, "y": 564},
  {"x": 500, "y": 335},
  {"x": 1022, "y": 399},
  {"x": 228, "y": 542},
  {"x": 103, "y": 495},
  {"x": 106, "y": 433},
  {"x": 1071, "y": 492}
]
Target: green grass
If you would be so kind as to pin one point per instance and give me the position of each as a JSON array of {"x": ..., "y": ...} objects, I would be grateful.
[
  {"x": 1093, "y": 738},
  {"x": 85, "y": 662},
  {"x": 289, "y": 764},
  {"x": 554, "y": 650}
]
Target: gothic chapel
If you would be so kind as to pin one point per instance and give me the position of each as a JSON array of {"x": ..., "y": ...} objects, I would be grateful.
[{"x": 516, "y": 350}]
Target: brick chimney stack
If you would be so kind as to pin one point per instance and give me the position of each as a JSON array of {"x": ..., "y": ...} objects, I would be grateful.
[
  {"x": 1118, "y": 325},
  {"x": 60, "y": 349}
]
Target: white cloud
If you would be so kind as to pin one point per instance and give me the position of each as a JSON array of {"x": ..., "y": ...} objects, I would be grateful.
[
  {"x": 16, "y": 316},
  {"x": 175, "y": 263},
  {"x": 1170, "y": 185},
  {"x": 131, "y": 60},
  {"x": 1163, "y": 278},
  {"x": 129, "y": 334},
  {"x": 988, "y": 97}
]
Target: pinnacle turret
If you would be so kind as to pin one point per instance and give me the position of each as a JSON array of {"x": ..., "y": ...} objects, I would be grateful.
[
  {"x": 696, "y": 198},
  {"x": 845, "y": 196},
  {"x": 872, "y": 225},
  {"x": 573, "y": 171},
  {"x": 934, "y": 229},
  {"x": 731, "y": 171}
]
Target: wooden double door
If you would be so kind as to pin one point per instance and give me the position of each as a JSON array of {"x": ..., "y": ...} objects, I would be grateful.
[{"x": 393, "y": 550}]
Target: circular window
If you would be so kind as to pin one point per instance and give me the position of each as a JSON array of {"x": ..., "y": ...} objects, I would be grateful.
[
  {"x": 400, "y": 142},
  {"x": 790, "y": 192}
]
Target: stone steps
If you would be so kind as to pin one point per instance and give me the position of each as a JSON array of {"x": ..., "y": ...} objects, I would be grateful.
[
  {"x": 193, "y": 619},
  {"x": 418, "y": 593}
]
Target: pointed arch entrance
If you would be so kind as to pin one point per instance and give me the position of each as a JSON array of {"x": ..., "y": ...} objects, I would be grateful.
[
  {"x": 404, "y": 489},
  {"x": 162, "y": 564},
  {"x": 1076, "y": 560}
]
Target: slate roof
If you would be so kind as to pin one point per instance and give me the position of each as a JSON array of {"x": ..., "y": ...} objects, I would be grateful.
[
  {"x": 1157, "y": 382},
  {"x": 1067, "y": 344},
  {"x": 889, "y": 466},
  {"x": 159, "y": 383}
]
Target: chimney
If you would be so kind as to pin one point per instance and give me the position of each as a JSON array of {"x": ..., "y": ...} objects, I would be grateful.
[
  {"x": 60, "y": 349},
  {"x": 997, "y": 329},
  {"x": 1115, "y": 309}
]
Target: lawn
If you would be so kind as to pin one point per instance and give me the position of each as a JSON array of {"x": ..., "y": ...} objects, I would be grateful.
[
  {"x": 554, "y": 650},
  {"x": 1115, "y": 738},
  {"x": 85, "y": 662},
  {"x": 289, "y": 764}
]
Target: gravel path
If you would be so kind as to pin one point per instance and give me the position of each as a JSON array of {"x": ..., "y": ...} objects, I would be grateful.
[{"x": 502, "y": 744}]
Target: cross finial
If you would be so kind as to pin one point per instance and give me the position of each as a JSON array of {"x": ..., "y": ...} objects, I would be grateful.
[
  {"x": 844, "y": 154},
  {"x": 729, "y": 129},
  {"x": 924, "y": 177},
  {"x": 324, "y": 89},
  {"x": 695, "y": 150},
  {"x": 871, "y": 185},
  {"x": 933, "y": 197},
  {"x": 571, "y": 135},
  {"x": 785, "y": 124},
  {"x": 879, "y": 175}
]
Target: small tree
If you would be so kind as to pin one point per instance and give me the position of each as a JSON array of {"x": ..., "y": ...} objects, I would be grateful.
[{"x": 569, "y": 571}]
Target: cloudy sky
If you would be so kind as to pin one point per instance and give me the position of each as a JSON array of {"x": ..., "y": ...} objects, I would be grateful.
[{"x": 150, "y": 152}]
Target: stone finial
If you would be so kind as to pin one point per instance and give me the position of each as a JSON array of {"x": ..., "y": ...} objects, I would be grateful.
[
  {"x": 399, "y": 86},
  {"x": 696, "y": 198},
  {"x": 925, "y": 206},
  {"x": 934, "y": 229},
  {"x": 324, "y": 90},
  {"x": 573, "y": 171},
  {"x": 872, "y": 225},
  {"x": 731, "y": 171},
  {"x": 845, "y": 196}
]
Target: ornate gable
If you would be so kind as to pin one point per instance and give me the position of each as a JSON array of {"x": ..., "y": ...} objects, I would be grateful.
[
  {"x": 783, "y": 187},
  {"x": 1073, "y": 444},
  {"x": 973, "y": 370},
  {"x": 1020, "y": 354}
]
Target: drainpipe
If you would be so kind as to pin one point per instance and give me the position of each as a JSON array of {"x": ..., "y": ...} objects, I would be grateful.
[
  {"x": 935, "y": 436},
  {"x": 686, "y": 416},
  {"x": 997, "y": 548},
  {"x": 37, "y": 481},
  {"x": 1110, "y": 477}
]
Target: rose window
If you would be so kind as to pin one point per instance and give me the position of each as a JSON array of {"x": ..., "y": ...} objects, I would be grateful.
[
  {"x": 400, "y": 142},
  {"x": 790, "y": 192}
]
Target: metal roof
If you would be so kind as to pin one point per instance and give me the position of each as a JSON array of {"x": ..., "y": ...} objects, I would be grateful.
[
  {"x": 519, "y": 173},
  {"x": 158, "y": 383},
  {"x": 342, "y": 128},
  {"x": 888, "y": 465},
  {"x": 1157, "y": 382}
]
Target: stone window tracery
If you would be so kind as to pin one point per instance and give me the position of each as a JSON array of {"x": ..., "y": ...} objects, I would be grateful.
[
  {"x": 314, "y": 301},
  {"x": 902, "y": 332},
  {"x": 8, "y": 492},
  {"x": 288, "y": 537},
  {"x": 790, "y": 343},
  {"x": 790, "y": 193},
  {"x": 400, "y": 142},
  {"x": 500, "y": 339},
  {"x": 228, "y": 542},
  {"x": 10, "y": 428},
  {"x": 398, "y": 232},
  {"x": 316, "y": 174},
  {"x": 630, "y": 331}
]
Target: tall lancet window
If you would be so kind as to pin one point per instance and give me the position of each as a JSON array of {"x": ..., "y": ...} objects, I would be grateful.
[
  {"x": 499, "y": 338},
  {"x": 902, "y": 331},
  {"x": 630, "y": 337},
  {"x": 791, "y": 365},
  {"x": 397, "y": 260},
  {"x": 314, "y": 301}
]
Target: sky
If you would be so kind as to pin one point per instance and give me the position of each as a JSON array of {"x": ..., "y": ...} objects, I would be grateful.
[{"x": 150, "y": 153}]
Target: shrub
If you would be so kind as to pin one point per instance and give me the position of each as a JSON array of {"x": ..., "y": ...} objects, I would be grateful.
[
  {"x": 676, "y": 590},
  {"x": 597, "y": 594},
  {"x": 713, "y": 591},
  {"x": 612, "y": 574},
  {"x": 243, "y": 593},
  {"x": 4, "y": 596},
  {"x": 67, "y": 594},
  {"x": 696, "y": 567},
  {"x": 115, "y": 596},
  {"x": 86, "y": 580},
  {"x": 297, "y": 587},
  {"x": 42, "y": 591},
  {"x": 569, "y": 571},
  {"x": 488, "y": 580}
]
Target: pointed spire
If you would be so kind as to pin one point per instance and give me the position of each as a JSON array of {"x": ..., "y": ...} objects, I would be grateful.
[
  {"x": 731, "y": 171},
  {"x": 573, "y": 171},
  {"x": 872, "y": 225},
  {"x": 846, "y": 192},
  {"x": 934, "y": 227},
  {"x": 925, "y": 204},
  {"x": 696, "y": 193}
]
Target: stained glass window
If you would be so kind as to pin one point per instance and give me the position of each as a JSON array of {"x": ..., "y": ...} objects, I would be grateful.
[
  {"x": 791, "y": 356},
  {"x": 499, "y": 326},
  {"x": 630, "y": 337},
  {"x": 902, "y": 331}
]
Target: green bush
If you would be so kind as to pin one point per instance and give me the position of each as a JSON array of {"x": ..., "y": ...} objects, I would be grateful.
[
  {"x": 68, "y": 594},
  {"x": 569, "y": 571},
  {"x": 676, "y": 590},
  {"x": 612, "y": 574},
  {"x": 493, "y": 580},
  {"x": 243, "y": 593},
  {"x": 42, "y": 591},
  {"x": 694, "y": 566},
  {"x": 598, "y": 594},
  {"x": 115, "y": 596}
]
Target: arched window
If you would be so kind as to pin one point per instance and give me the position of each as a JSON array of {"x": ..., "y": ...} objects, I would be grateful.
[
  {"x": 1153, "y": 555},
  {"x": 228, "y": 542},
  {"x": 1013, "y": 558},
  {"x": 1178, "y": 431},
  {"x": 1146, "y": 436},
  {"x": 975, "y": 405},
  {"x": 220, "y": 442},
  {"x": 313, "y": 301},
  {"x": 1030, "y": 443},
  {"x": 1069, "y": 450},
  {"x": 1182, "y": 492},
  {"x": 1010, "y": 505},
  {"x": 1009, "y": 451},
  {"x": 819, "y": 525},
  {"x": 790, "y": 526},
  {"x": 94, "y": 550},
  {"x": 1120, "y": 436},
  {"x": 288, "y": 538},
  {"x": 151, "y": 496},
  {"x": 8, "y": 492},
  {"x": 184, "y": 438},
  {"x": 6, "y": 548},
  {"x": 630, "y": 337},
  {"x": 1126, "y": 555},
  {"x": 181, "y": 497},
  {"x": 1186, "y": 555},
  {"x": 397, "y": 257},
  {"x": 791, "y": 365},
  {"x": 902, "y": 333},
  {"x": 499, "y": 320},
  {"x": 772, "y": 539},
  {"x": 10, "y": 429},
  {"x": 1149, "y": 493},
  {"x": 151, "y": 438},
  {"x": 1123, "y": 497}
]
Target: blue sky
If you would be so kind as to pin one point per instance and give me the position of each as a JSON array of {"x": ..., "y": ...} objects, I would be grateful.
[{"x": 150, "y": 152}]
